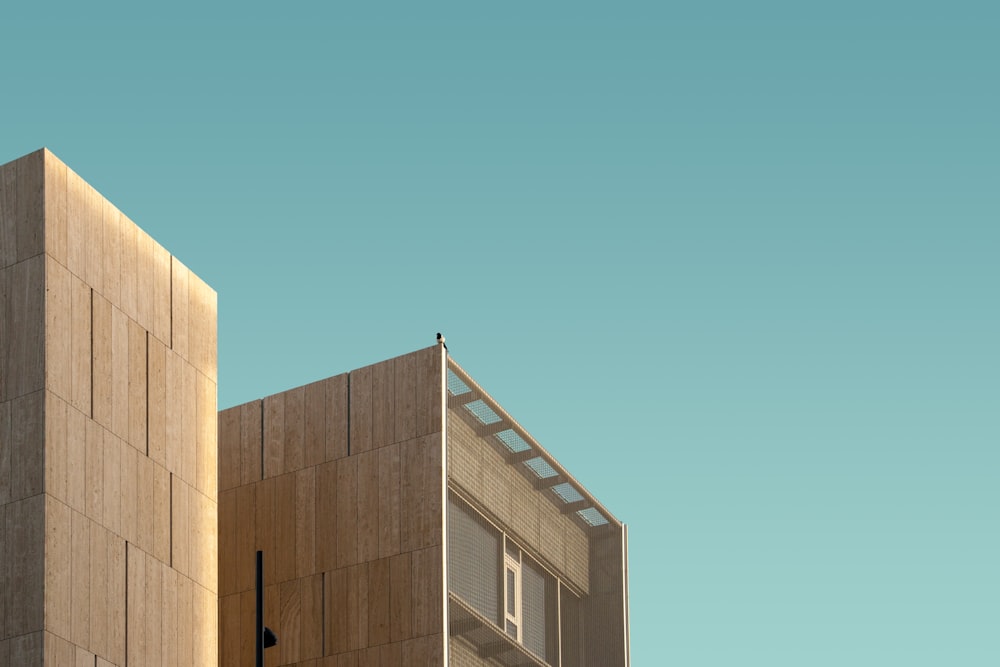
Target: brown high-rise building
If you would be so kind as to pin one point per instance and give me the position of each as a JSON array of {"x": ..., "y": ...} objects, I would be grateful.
[{"x": 405, "y": 518}]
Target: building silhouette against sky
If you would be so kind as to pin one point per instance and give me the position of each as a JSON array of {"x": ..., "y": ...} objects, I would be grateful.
[{"x": 404, "y": 516}]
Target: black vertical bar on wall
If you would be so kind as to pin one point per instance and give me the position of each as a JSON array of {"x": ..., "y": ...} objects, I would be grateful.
[{"x": 259, "y": 626}]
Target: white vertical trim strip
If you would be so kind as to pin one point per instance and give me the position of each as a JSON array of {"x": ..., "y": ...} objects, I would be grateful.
[{"x": 443, "y": 389}]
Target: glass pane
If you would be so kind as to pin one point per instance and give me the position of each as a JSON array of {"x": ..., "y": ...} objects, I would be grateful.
[
  {"x": 511, "y": 593},
  {"x": 511, "y": 629}
]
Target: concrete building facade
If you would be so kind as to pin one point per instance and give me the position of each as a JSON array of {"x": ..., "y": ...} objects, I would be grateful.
[
  {"x": 108, "y": 452},
  {"x": 405, "y": 518}
]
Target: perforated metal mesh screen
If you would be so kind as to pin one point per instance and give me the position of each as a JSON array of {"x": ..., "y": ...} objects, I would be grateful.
[{"x": 564, "y": 555}]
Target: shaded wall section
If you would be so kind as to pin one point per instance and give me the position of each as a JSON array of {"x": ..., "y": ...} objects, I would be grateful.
[{"x": 340, "y": 484}]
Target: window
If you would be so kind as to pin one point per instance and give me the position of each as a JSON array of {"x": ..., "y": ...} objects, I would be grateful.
[
  {"x": 494, "y": 576},
  {"x": 512, "y": 589}
]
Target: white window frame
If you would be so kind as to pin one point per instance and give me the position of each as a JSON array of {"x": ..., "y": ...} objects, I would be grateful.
[{"x": 512, "y": 608}]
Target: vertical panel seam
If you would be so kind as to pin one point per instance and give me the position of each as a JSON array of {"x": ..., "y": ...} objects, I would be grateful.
[
  {"x": 349, "y": 376},
  {"x": 147, "y": 391},
  {"x": 91, "y": 352}
]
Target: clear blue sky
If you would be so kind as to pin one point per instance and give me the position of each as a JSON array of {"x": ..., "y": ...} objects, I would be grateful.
[{"x": 735, "y": 264}]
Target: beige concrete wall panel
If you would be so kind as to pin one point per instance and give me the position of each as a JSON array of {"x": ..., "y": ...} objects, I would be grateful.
[
  {"x": 55, "y": 447},
  {"x": 326, "y": 516},
  {"x": 305, "y": 522},
  {"x": 58, "y": 330},
  {"x": 58, "y": 564},
  {"x": 181, "y": 542},
  {"x": 129, "y": 493},
  {"x": 229, "y": 448},
  {"x": 179, "y": 311},
  {"x": 83, "y": 657},
  {"x": 294, "y": 429},
  {"x": 21, "y": 206},
  {"x": 254, "y": 418},
  {"x": 137, "y": 391},
  {"x": 23, "y": 575},
  {"x": 21, "y": 209},
  {"x": 102, "y": 366},
  {"x": 383, "y": 403},
  {"x": 8, "y": 214},
  {"x": 311, "y": 616},
  {"x": 206, "y": 618},
  {"x": 117, "y": 601},
  {"x": 165, "y": 387},
  {"x": 247, "y": 613},
  {"x": 357, "y": 606},
  {"x": 229, "y": 629},
  {"x": 181, "y": 426},
  {"x": 145, "y": 277},
  {"x": 153, "y": 611},
  {"x": 76, "y": 459},
  {"x": 23, "y": 323},
  {"x": 368, "y": 505},
  {"x": 202, "y": 329},
  {"x": 388, "y": 500},
  {"x": 169, "y": 623},
  {"x": 400, "y": 597},
  {"x": 205, "y": 547},
  {"x": 98, "y": 593},
  {"x": 379, "y": 586},
  {"x": 427, "y": 602},
  {"x": 289, "y": 624},
  {"x": 161, "y": 293},
  {"x": 337, "y": 413},
  {"x": 272, "y": 615},
  {"x": 27, "y": 445},
  {"x": 119, "y": 373},
  {"x": 274, "y": 435},
  {"x": 111, "y": 253},
  {"x": 189, "y": 428},
  {"x": 285, "y": 528},
  {"x": 160, "y": 548},
  {"x": 361, "y": 416},
  {"x": 406, "y": 398},
  {"x": 410, "y": 495},
  {"x": 185, "y": 619},
  {"x": 246, "y": 565},
  {"x": 58, "y": 652},
  {"x": 94, "y": 471},
  {"x": 145, "y": 514},
  {"x": 314, "y": 427},
  {"x": 76, "y": 229},
  {"x": 265, "y": 529},
  {"x": 207, "y": 449},
  {"x": 112, "y": 480},
  {"x": 5, "y": 453},
  {"x": 429, "y": 395},
  {"x": 390, "y": 655},
  {"x": 84, "y": 230},
  {"x": 228, "y": 531},
  {"x": 129, "y": 283},
  {"x": 5, "y": 573},
  {"x": 80, "y": 584},
  {"x": 420, "y": 492},
  {"x": 135, "y": 605},
  {"x": 336, "y": 611},
  {"x": 25, "y": 650},
  {"x": 347, "y": 511}
]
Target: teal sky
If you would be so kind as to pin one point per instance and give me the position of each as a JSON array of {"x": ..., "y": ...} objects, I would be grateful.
[{"x": 734, "y": 264}]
